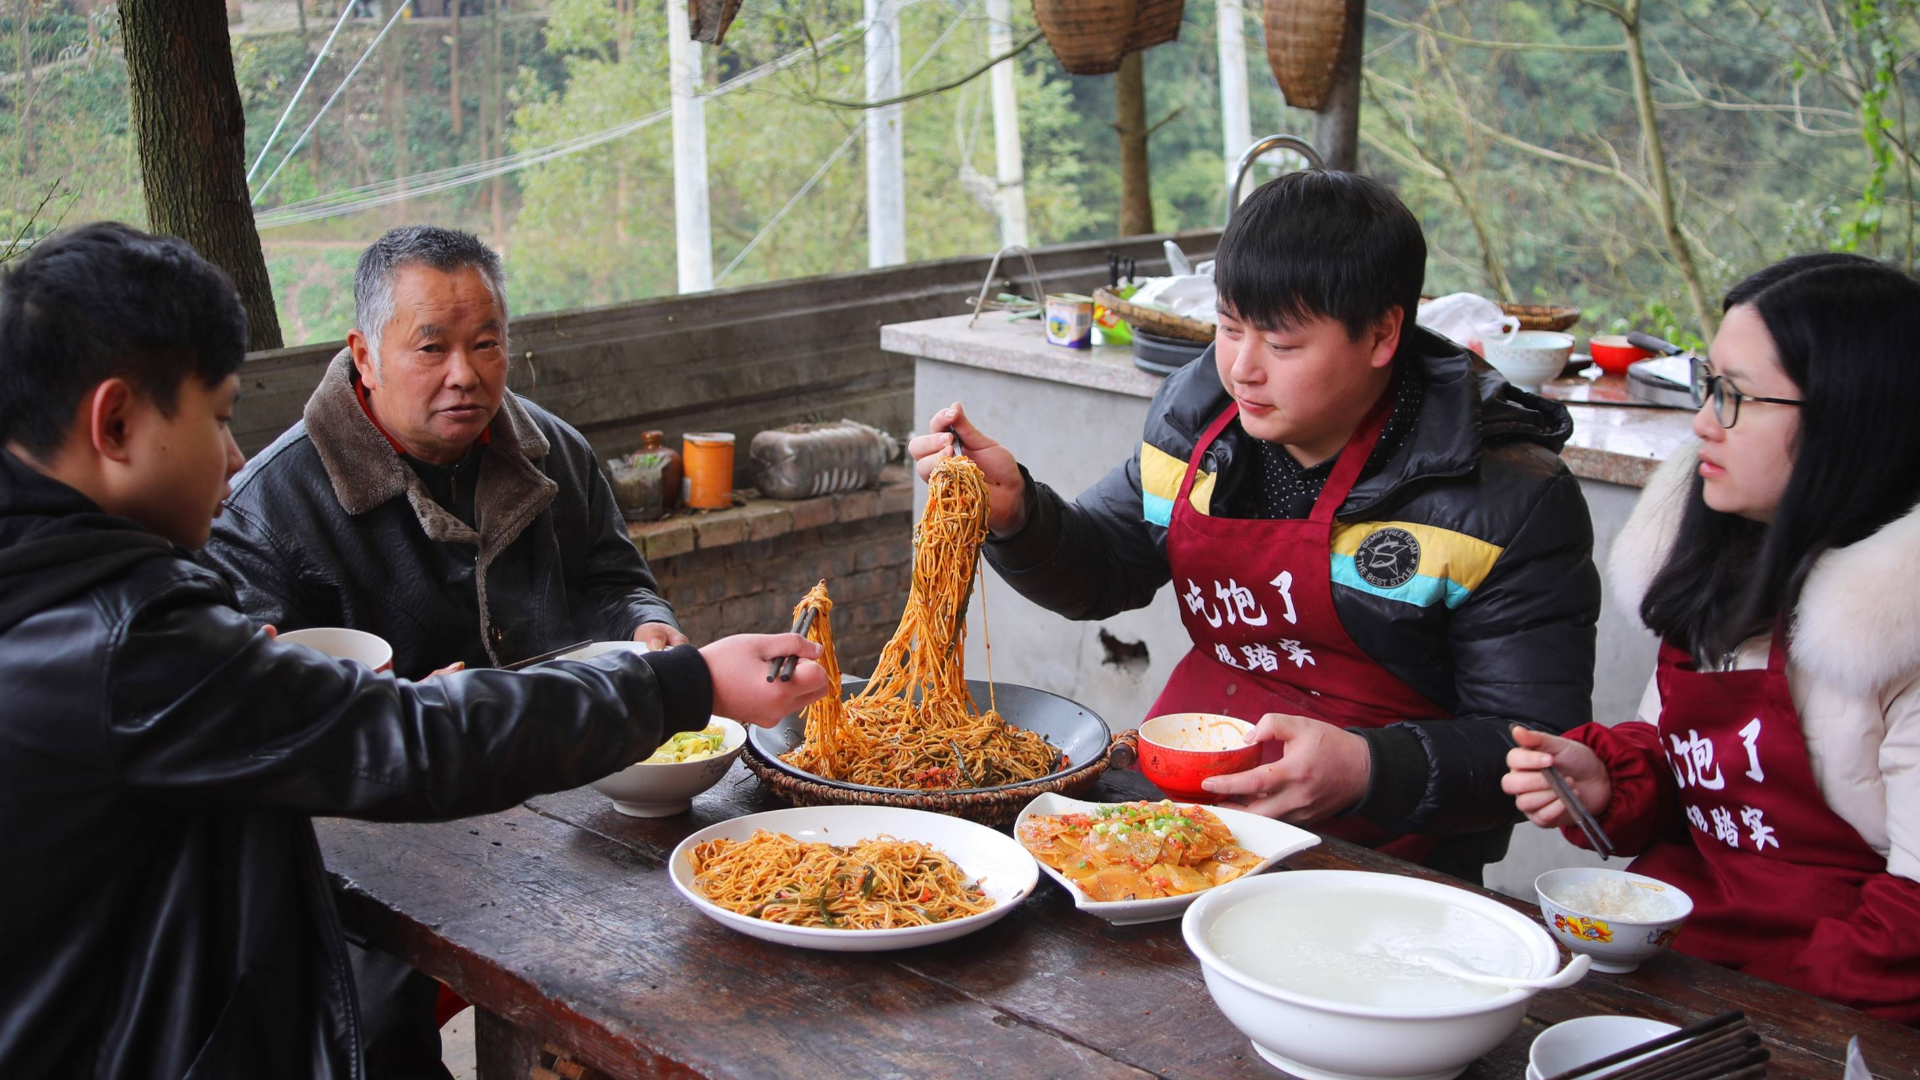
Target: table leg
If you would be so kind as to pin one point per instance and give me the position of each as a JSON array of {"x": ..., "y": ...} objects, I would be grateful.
[{"x": 501, "y": 1050}]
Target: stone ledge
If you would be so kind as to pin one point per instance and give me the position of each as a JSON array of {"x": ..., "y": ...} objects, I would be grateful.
[{"x": 761, "y": 518}]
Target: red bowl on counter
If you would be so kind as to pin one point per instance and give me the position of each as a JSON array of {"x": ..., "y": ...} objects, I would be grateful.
[
  {"x": 1614, "y": 355},
  {"x": 1179, "y": 750}
]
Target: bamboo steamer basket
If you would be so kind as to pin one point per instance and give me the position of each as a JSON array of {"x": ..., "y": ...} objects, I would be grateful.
[
  {"x": 1088, "y": 36},
  {"x": 1304, "y": 42},
  {"x": 1155, "y": 23},
  {"x": 1155, "y": 321}
]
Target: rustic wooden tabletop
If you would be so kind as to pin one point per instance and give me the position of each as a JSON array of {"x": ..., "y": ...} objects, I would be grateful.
[{"x": 558, "y": 920}]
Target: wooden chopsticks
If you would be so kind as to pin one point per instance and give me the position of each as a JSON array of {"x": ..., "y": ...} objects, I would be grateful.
[
  {"x": 1723, "y": 1048},
  {"x": 1596, "y": 836},
  {"x": 782, "y": 667}
]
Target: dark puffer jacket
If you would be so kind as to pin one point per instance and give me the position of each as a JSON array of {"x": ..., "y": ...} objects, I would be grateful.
[
  {"x": 167, "y": 913},
  {"x": 329, "y": 527},
  {"x": 1496, "y": 626}
]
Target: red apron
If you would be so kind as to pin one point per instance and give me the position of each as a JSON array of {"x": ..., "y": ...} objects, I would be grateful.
[
  {"x": 1257, "y": 599},
  {"x": 1768, "y": 857}
]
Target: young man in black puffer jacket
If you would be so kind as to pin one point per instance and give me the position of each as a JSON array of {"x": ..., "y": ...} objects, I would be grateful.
[
  {"x": 1377, "y": 551},
  {"x": 160, "y": 753}
]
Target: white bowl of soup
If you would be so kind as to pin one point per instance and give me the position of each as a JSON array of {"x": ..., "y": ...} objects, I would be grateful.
[
  {"x": 685, "y": 765},
  {"x": 1318, "y": 969}
]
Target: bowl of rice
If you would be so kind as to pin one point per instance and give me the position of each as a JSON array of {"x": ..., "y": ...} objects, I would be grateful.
[{"x": 1618, "y": 918}]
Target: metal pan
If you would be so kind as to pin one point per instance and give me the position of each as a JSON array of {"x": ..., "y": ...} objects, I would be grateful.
[{"x": 1069, "y": 726}]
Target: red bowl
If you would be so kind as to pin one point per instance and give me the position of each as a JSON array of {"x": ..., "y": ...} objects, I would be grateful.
[
  {"x": 1179, "y": 750},
  {"x": 1613, "y": 354}
]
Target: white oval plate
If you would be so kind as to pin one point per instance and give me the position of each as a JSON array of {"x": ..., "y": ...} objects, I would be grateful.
[
  {"x": 1271, "y": 840},
  {"x": 1004, "y": 869}
]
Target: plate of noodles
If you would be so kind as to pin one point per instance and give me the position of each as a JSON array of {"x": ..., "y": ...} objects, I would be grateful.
[
  {"x": 852, "y": 878},
  {"x": 918, "y": 731},
  {"x": 1140, "y": 862}
]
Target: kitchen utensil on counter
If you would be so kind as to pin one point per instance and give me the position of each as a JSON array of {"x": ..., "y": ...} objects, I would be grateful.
[
  {"x": 1615, "y": 353},
  {"x": 1528, "y": 358}
]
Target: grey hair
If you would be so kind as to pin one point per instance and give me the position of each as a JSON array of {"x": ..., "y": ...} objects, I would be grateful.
[{"x": 445, "y": 250}]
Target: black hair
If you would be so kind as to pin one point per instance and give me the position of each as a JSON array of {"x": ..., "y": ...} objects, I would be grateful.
[
  {"x": 1844, "y": 326},
  {"x": 105, "y": 301},
  {"x": 1317, "y": 244}
]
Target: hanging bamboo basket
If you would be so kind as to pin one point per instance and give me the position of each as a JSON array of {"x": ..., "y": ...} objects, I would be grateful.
[
  {"x": 1156, "y": 22},
  {"x": 1088, "y": 36},
  {"x": 710, "y": 18},
  {"x": 1304, "y": 42}
]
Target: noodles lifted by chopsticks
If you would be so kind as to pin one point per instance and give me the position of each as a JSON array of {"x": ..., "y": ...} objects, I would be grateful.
[
  {"x": 875, "y": 884},
  {"x": 914, "y": 726}
]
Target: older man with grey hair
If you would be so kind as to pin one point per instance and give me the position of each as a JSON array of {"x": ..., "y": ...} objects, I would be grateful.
[{"x": 420, "y": 500}]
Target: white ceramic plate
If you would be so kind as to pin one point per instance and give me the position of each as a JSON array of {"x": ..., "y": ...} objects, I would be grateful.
[
  {"x": 1002, "y": 867},
  {"x": 1271, "y": 840}
]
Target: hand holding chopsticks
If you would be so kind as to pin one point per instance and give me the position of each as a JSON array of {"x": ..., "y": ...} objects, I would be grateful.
[
  {"x": 783, "y": 666},
  {"x": 1528, "y": 773}
]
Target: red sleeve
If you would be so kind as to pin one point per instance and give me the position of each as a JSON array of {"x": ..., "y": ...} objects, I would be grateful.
[
  {"x": 1645, "y": 805},
  {"x": 1869, "y": 960}
]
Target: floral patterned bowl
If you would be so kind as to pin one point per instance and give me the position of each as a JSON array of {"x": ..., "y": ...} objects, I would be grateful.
[{"x": 1617, "y": 943}]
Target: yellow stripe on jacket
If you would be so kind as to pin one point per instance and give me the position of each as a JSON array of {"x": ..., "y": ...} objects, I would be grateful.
[
  {"x": 1160, "y": 476},
  {"x": 1445, "y": 568}
]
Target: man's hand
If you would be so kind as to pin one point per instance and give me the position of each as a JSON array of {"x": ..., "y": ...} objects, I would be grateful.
[
  {"x": 658, "y": 635},
  {"x": 1526, "y": 779},
  {"x": 1323, "y": 770},
  {"x": 740, "y": 688},
  {"x": 1006, "y": 490}
]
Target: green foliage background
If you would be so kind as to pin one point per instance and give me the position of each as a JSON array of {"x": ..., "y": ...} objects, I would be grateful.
[{"x": 1786, "y": 125}]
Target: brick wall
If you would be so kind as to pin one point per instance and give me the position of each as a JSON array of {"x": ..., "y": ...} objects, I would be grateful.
[{"x": 742, "y": 570}]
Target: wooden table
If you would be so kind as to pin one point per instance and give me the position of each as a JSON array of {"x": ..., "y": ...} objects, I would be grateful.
[{"x": 558, "y": 920}]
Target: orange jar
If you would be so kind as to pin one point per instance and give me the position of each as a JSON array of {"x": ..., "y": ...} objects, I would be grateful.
[{"x": 708, "y": 459}]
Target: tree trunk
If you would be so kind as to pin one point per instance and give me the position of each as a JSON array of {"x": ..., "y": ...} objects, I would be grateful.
[
  {"x": 192, "y": 136},
  {"x": 1657, "y": 171},
  {"x": 27, "y": 160},
  {"x": 453, "y": 70},
  {"x": 300, "y": 11},
  {"x": 1136, "y": 184},
  {"x": 498, "y": 79},
  {"x": 1336, "y": 127},
  {"x": 394, "y": 104}
]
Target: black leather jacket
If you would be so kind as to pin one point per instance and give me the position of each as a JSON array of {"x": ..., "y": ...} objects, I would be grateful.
[
  {"x": 1507, "y": 636},
  {"x": 329, "y": 527},
  {"x": 166, "y": 913}
]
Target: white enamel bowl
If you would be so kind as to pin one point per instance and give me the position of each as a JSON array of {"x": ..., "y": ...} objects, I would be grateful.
[
  {"x": 662, "y": 790},
  {"x": 1616, "y": 945},
  {"x": 649, "y": 791},
  {"x": 1529, "y": 358},
  {"x": 1002, "y": 867},
  {"x": 1572, "y": 1043},
  {"x": 1271, "y": 840},
  {"x": 1320, "y": 1039}
]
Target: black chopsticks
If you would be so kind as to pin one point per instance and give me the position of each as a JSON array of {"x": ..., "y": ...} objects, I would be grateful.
[
  {"x": 1596, "y": 836},
  {"x": 782, "y": 667},
  {"x": 546, "y": 656},
  {"x": 1723, "y": 1048}
]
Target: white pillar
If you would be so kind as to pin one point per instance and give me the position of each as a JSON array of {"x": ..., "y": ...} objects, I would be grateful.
[
  {"x": 1006, "y": 126},
  {"x": 886, "y": 172},
  {"x": 1236, "y": 117},
  {"x": 693, "y": 224}
]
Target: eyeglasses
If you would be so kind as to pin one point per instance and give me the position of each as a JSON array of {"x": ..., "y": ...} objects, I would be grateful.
[{"x": 1725, "y": 396}]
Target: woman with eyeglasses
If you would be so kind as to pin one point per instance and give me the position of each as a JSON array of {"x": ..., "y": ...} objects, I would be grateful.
[{"x": 1773, "y": 773}]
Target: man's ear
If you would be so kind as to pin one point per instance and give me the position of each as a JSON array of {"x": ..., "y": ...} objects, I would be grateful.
[
  {"x": 362, "y": 351},
  {"x": 1384, "y": 338},
  {"x": 110, "y": 415}
]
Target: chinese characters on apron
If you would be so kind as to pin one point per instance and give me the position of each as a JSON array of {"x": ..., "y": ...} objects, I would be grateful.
[
  {"x": 1257, "y": 600},
  {"x": 1767, "y": 858}
]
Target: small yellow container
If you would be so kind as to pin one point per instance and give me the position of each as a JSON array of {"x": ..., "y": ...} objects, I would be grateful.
[
  {"x": 708, "y": 459},
  {"x": 1070, "y": 320}
]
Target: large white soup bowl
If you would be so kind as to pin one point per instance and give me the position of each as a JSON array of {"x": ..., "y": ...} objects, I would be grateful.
[{"x": 1323, "y": 1039}]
